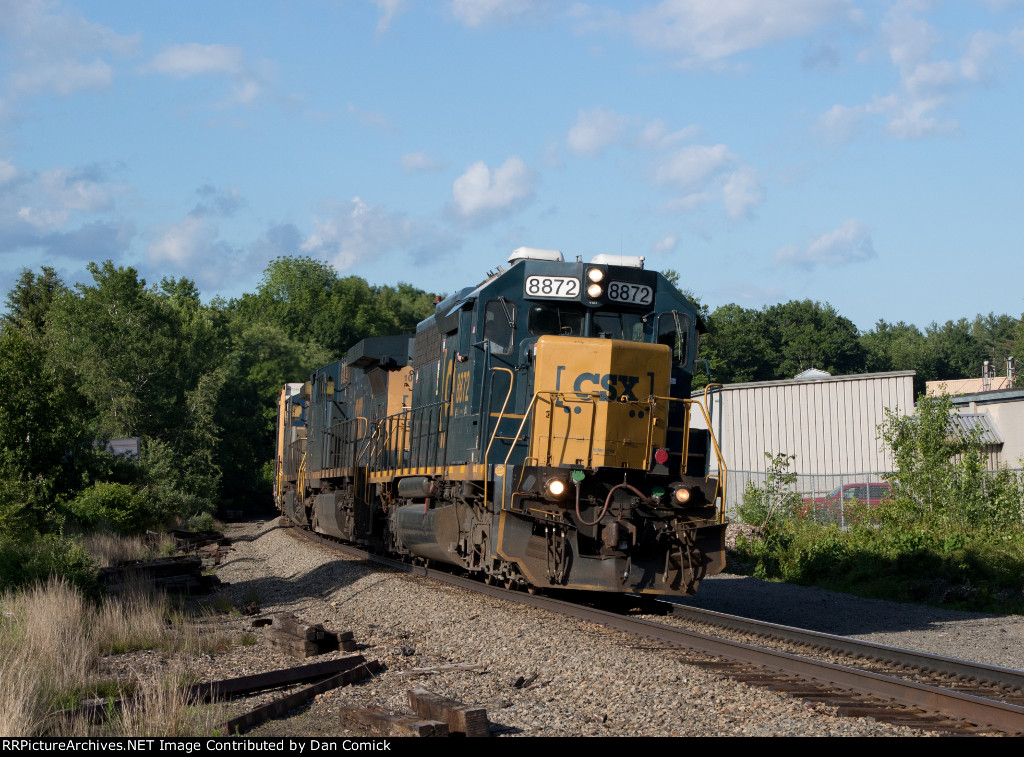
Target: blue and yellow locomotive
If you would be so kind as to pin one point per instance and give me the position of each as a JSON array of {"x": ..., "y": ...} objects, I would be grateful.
[{"x": 536, "y": 431}]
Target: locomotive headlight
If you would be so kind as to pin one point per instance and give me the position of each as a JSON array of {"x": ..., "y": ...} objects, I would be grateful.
[
  {"x": 555, "y": 488},
  {"x": 681, "y": 495},
  {"x": 594, "y": 291},
  {"x": 596, "y": 275}
]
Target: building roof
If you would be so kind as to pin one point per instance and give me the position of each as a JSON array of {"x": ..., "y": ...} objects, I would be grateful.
[
  {"x": 988, "y": 398},
  {"x": 824, "y": 380},
  {"x": 969, "y": 424}
]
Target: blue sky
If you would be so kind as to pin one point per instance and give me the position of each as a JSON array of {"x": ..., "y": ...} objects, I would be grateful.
[{"x": 866, "y": 154}]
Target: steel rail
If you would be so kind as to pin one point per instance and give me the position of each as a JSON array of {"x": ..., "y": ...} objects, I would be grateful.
[
  {"x": 979, "y": 711},
  {"x": 846, "y": 645}
]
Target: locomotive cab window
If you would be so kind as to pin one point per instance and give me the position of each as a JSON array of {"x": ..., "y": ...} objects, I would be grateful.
[
  {"x": 674, "y": 330},
  {"x": 555, "y": 319},
  {"x": 619, "y": 325},
  {"x": 499, "y": 326}
]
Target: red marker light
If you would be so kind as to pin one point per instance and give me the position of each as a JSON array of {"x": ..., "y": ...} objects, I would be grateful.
[{"x": 661, "y": 456}]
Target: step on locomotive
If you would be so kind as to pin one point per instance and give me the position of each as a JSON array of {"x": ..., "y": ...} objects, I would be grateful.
[{"x": 535, "y": 431}]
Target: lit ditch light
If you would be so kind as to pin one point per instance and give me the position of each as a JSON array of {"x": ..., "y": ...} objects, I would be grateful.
[
  {"x": 681, "y": 496},
  {"x": 555, "y": 488}
]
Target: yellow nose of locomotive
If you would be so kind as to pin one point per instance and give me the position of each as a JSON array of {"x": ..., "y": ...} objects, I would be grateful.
[{"x": 596, "y": 402}]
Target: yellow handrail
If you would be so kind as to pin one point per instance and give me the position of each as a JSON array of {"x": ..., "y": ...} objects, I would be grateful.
[
  {"x": 497, "y": 423},
  {"x": 720, "y": 479}
]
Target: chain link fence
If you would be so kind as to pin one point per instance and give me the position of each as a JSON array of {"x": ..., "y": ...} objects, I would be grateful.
[{"x": 827, "y": 497}]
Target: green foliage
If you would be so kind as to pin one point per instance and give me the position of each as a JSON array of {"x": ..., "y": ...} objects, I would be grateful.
[
  {"x": 941, "y": 477},
  {"x": 120, "y": 508},
  {"x": 951, "y": 532},
  {"x": 899, "y": 347},
  {"x": 26, "y": 562},
  {"x": 954, "y": 568},
  {"x": 773, "y": 501},
  {"x": 308, "y": 301},
  {"x": 779, "y": 341},
  {"x": 28, "y": 304}
]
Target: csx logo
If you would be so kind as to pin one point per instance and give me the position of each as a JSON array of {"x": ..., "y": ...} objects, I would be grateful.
[{"x": 611, "y": 386}]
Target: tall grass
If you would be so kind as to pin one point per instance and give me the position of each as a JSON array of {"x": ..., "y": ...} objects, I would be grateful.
[
  {"x": 51, "y": 639},
  {"x": 113, "y": 549}
]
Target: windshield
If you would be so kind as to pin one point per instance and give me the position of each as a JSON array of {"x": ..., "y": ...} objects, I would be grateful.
[
  {"x": 557, "y": 319},
  {"x": 611, "y": 325}
]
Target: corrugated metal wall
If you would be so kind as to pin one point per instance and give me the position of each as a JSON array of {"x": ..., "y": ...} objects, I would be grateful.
[{"x": 830, "y": 424}]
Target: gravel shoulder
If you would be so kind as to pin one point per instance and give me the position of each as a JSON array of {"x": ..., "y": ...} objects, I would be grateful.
[
  {"x": 979, "y": 637},
  {"x": 590, "y": 681}
]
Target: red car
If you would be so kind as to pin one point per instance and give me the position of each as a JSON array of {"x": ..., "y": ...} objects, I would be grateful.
[{"x": 832, "y": 507}]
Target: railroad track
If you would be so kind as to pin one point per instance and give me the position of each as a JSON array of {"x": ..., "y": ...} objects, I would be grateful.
[{"x": 858, "y": 679}]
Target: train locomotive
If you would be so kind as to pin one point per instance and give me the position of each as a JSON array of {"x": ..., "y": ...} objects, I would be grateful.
[{"x": 535, "y": 431}]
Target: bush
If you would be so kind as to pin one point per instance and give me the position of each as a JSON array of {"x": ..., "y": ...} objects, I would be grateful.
[
  {"x": 27, "y": 563},
  {"x": 941, "y": 477},
  {"x": 117, "y": 507},
  {"x": 774, "y": 500}
]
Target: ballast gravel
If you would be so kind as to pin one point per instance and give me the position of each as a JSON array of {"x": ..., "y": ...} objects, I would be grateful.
[{"x": 586, "y": 680}]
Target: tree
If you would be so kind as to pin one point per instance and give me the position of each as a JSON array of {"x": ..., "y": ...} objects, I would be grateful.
[
  {"x": 899, "y": 347},
  {"x": 28, "y": 304},
  {"x": 40, "y": 434},
  {"x": 941, "y": 476},
  {"x": 150, "y": 364},
  {"x": 261, "y": 359},
  {"x": 957, "y": 353},
  {"x": 736, "y": 345},
  {"x": 805, "y": 334},
  {"x": 306, "y": 299}
]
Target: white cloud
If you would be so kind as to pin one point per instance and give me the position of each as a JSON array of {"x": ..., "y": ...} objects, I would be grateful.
[
  {"x": 193, "y": 59},
  {"x": 56, "y": 50},
  {"x": 63, "y": 77},
  {"x": 850, "y": 243},
  {"x": 686, "y": 203},
  {"x": 419, "y": 162},
  {"x": 47, "y": 200},
  {"x": 58, "y": 213},
  {"x": 742, "y": 193},
  {"x": 692, "y": 167},
  {"x": 709, "y": 31},
  {"x": 476, "y": 13},
  {"x": 356, "y": 232},
  {"x": 8, "y": 172},
  {"x": 371, "y": 118},
  {"x": 666, "y": 244},
  {"x": 193, "y": 246},
  {"x": 481, "y": 192},
  {"x": 183, "y": 244},
  {"x": 928, "y": 82},
  {"x": 248, "y": 80},
  {"x": 76, "y": 190},
  {"x": 657, "y": 134},
  {"x": 595, "y": 130},
  {"x": 389, "y": 10}
]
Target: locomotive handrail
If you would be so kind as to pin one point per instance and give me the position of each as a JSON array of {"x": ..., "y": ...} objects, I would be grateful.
[
  {"x": 301, "y": 483},
  {"x": 334, "y": 434},
  {"x": 720, "y": 479},
  {"x": 497, "y": 422},
  {"x": 723, "y": 472},
  {"x": 389, "y": 435}
]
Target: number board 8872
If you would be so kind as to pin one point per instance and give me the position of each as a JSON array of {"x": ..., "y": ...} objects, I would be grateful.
[{"x": 558, "y": 287}]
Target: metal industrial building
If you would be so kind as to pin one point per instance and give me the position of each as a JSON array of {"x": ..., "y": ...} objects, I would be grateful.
[{"x": 829, "y": 422}]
